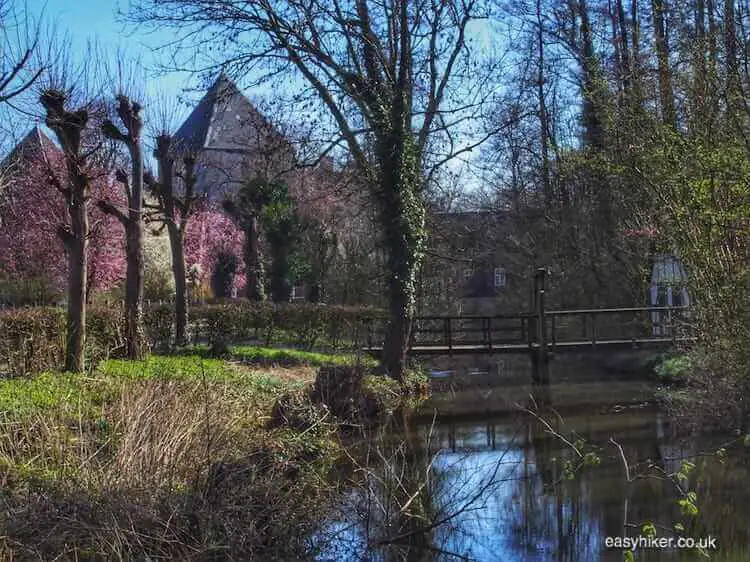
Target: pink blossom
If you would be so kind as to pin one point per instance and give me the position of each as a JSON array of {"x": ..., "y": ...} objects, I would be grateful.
[
  {"x": 210, "y": 232},
  {"x": 31, "y": 212}
]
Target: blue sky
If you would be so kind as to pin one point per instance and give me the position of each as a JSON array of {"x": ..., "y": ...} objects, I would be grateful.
[{"x": 86, "y": 20}]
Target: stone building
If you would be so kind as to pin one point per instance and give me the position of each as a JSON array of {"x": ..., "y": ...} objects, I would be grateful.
[{"x": 232, "y": 141}]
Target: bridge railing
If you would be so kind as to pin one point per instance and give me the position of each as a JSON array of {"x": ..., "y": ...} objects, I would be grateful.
[
  {"x": 561, "y": 326},
  {"x": 469, "y": 330},
  {"x": 608, "y": 324}
]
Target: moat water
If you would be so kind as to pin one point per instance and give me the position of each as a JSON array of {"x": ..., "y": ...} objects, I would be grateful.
[{"x": 487, "y": 471}]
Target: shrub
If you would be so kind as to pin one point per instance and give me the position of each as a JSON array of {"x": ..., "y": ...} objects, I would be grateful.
[
  {"x": 159, "y": 323},
  {"x": 28, "y": 292},
  {"x": 355, "y": 393},
  {"x": 32, "y": 340},
  {"x": 674, "y": 369},
  {"x": 158, "y": 285},
  {"x": 303, "y": 324},
  {"x": 104, "y": 334}
]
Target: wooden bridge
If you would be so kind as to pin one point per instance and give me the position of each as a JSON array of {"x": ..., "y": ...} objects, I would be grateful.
[{"x": 540, "y": 332}]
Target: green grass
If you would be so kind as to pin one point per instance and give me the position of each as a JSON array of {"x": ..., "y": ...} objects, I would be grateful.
[
  {"x": 76, "y": 395},
  {"x": 294, "y": 356},
  {"x": 71, "y": 395},
  {"x": 282, "y": 356}
]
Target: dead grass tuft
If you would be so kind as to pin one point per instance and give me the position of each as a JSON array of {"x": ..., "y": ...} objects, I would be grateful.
[{"x": 171, "y": 468}]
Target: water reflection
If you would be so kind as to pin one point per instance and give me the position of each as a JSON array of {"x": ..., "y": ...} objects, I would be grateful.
[{"x": 437, "y": 486}]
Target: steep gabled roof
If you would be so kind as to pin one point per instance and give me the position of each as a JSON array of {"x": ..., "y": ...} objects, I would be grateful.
[
  {"x": 224, "y": 119},
  {"x": 33, "y": 145},
  {"x": 232, "y": 141}
]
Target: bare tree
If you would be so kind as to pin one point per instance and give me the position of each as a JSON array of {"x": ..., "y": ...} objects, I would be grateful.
[
  {"x": 173, "y": 209},
  {"x": 661, "y": 39},
  {"x": 129, "y": 113},
  {"x": 20, "y": 64},
  {"x": 69, "y": 126},
  {"x": 394, "y": 76}
]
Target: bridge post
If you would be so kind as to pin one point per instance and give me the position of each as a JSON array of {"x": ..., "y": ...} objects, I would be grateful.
[
  {"x": 540, "y": 355},
  {"x": 447, "y": 334}
]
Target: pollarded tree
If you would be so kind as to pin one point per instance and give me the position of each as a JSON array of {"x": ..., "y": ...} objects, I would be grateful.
[
  {"x": 131, "y": 219},
  {"x": 69, "y": 126},
  {"x": 392, "y": 75},
  {"x": 173, "y": 209}
]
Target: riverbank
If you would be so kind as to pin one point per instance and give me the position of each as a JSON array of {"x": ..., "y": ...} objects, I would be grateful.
[{"x": 176, "y": 457}]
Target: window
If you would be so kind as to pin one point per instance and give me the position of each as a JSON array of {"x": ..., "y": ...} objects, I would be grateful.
[
  {"x": 468, "y": 273},
  {"x": 298, "y": 292},
  {"x": 499, "y": 277}
]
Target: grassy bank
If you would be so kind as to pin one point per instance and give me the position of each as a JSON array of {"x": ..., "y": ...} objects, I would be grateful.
[
  {"x": 177, "y": 457},
  {"x": 271, "y": 356}
]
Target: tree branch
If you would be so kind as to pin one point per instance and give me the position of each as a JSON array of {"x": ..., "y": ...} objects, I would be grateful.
[{"x": 109, "y": 209}]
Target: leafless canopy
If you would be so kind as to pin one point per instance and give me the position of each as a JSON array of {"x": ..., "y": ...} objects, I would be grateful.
[
  {"x": 20, "y": 58},
  {"x": 358, "y": 57}
]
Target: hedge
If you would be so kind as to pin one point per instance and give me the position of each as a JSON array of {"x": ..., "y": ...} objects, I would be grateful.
[{"x": 33, "y": 339}]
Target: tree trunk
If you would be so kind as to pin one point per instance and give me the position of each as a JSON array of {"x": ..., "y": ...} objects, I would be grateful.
[
  {"x": 666, "y": 95},
  {"x": 635, "y": 61},
  {"x": 543, "y": 119},
  {"x": 129, "y": 113},
  {"x": 625, "y": 55},
  {"x": 281, "y": 290},
  {"x": 733, "y": 85},
  {"x": 77, "y": 266},
  {"x": 180, "y": 283},
  {"x": 616, "y": 46},
  {"x": 699, "y": 69},
  {"x": 176, "y": 225},
  {"x": 403, "y": 218},
  {"x": 68, "y": 126},
  {"x": 254, "y": 274},
  {"x": 592, "y": 94},
  {"x": 134, "y": 333}
]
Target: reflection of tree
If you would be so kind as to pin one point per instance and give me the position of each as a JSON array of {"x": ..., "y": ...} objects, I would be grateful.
[
  {"x": 398, "y": 510},
  {"x": 539, "y": 439},
  {"x": 515, "y": 504},
  {"x": 551, "y": 508}
]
